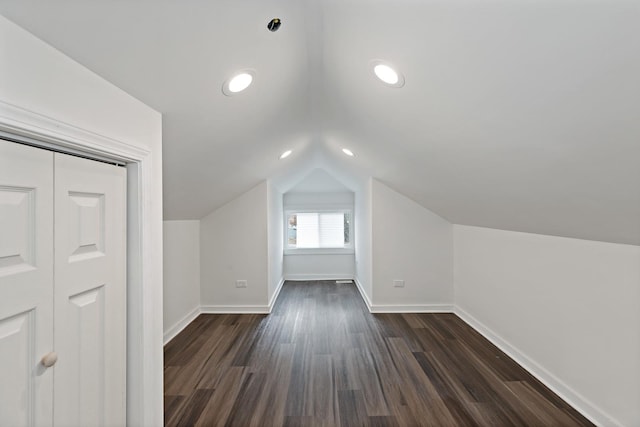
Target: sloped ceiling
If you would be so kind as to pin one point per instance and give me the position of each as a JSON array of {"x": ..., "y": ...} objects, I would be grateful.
[
  {"x": 319, "y": 181},
  {"x": 520, "y": 115}
]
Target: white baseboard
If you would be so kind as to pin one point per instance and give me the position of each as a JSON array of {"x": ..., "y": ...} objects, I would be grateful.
[
  {"x": 180, "y": 325},
  {"x": 411, "y": 308},
  {"x": 566, "y": 393},
  {"x": 244, "y": 309},
  {"x": 221, "y": 309},
  {"x": 235, "y": 309},
  {"x": 318, "y": 276},
  {"x": 401, "y": 308},
  {"x": 363, "y": 294},
  {"x": 274, "y": 297}
]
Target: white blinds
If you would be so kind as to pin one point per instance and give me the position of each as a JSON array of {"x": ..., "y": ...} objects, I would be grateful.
[
  {"x": 331, "y": 230},
  {"x": 320, "y": 230},
  {"x": 307, "y": 233}
]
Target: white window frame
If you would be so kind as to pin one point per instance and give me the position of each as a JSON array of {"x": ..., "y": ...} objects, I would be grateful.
[{"x": 347, "y": 249}]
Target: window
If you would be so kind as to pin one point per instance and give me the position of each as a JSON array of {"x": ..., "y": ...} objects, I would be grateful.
[{"x": 318, "y": 230}]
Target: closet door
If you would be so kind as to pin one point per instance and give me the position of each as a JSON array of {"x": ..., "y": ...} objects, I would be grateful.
[
  {"x": 90, "y": 289},
  {"x": 26, "y": 284}
]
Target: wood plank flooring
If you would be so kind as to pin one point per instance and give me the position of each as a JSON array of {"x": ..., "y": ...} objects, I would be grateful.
[{"x": 321, "y": 359}]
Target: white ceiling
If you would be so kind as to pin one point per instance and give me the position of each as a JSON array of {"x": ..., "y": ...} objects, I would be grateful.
[
  {"x": 319, "y": 181},
  {"x": 516, "y": 114}
]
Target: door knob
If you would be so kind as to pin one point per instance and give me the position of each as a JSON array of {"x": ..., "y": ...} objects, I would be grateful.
[{"x": 49, "y": 359}]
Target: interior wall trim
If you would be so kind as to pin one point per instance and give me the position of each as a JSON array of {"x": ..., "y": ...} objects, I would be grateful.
[
  {"x": 234, "y": 309},
  {"x": 320, "y": 276},
  {"x": 401, "y": 308},
  {"x": 50, "y": 133},
  {"x": 274, "y": 297},
  {"x": 566, "y": 393},
  {"x": 363, "y": 294},
  {"x": 244, "y": 309},
  {"x": 412, "y": 308},
  {"x": 180, "y": 325}
]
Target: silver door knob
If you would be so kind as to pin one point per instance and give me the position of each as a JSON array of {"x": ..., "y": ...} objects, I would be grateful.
[{"x": 49, "y": 359}]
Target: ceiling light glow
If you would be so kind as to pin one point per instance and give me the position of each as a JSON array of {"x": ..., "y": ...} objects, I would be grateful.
[
  {"x": 285, "y": 154},
  {"x": 387, "y": 74},
  {"x": 239, "y": 82},
  {"x": 347, "y": 152}
]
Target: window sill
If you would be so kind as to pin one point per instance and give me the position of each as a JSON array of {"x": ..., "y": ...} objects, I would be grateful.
[{"x": 320, "y": 251}]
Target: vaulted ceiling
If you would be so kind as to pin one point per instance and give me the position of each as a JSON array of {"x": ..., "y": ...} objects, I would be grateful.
[{"x": 516, "y": 114}]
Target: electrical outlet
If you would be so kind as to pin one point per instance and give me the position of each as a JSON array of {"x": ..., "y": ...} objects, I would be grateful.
[
  {"x": 398, "y": 283},
  {"x": 241, "y": 283}
]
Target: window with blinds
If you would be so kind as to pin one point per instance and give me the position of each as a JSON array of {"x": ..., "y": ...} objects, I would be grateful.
[{"x": 318, "y": 230}]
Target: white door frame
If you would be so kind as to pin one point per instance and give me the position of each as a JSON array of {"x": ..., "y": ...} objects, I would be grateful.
[{"x": 144, "y": 330}]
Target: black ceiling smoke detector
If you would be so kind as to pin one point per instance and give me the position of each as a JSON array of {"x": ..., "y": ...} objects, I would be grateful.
[{"x": 274, "y": 25}]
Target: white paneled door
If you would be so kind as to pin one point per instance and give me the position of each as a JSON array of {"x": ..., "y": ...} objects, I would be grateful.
[
  {"x": 62, "y": 289},
  {"x": 90, "y": 312},
  {"x": 26, "y": 284}
]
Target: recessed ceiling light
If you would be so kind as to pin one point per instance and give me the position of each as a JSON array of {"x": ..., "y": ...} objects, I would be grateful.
[
  {"x": 239, "y": 82},
  {"x": 347, "y": 152},
  {"x": 285, "y": 154},
  {"x": 388, "y": 74}
]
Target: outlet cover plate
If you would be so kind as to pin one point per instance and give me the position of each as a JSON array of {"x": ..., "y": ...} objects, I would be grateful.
[
  {"x": 241, "y": 283},
  {"x": 398, "y": 283}
]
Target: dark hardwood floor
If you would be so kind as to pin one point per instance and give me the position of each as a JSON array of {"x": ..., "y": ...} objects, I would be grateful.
[{"x": 321, "y": 359}]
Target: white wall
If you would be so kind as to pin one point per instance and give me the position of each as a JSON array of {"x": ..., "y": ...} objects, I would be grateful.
[
  {"x": 39, "y": 78},
  {"x": 275, "y": 235},
  {"x": 39, "y": 86},
  {"x": 363, "y": 241},
  {"x": 321, "y": 265},
  {"x": 568, "y": 309},
  {"x": 318, "y": 200},
  {"x": 413, "y": 244},
  {"x": 234, "y": 246},
  {"x": 181, "y": 275}
]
